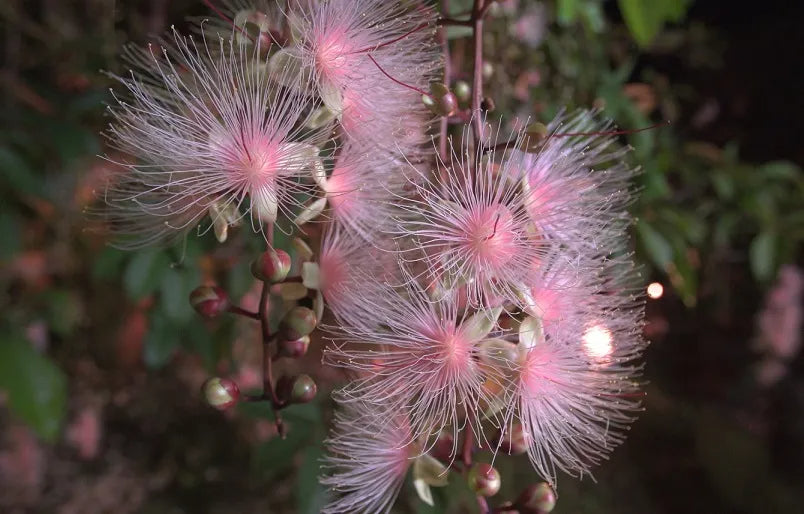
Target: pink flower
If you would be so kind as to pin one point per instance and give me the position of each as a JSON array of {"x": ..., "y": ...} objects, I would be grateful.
[
  {"x": 211, "y": 135},
  {"x": 575, "y": 388},
  {"x": 351, "y": 48},
  {"x": 368, "y": 459},
  {"x": 362, "y": 189},
  {"x": 577, "y": 186},
  {"x": 475, "y": 230},
  {"x": 416, "y": 355}
]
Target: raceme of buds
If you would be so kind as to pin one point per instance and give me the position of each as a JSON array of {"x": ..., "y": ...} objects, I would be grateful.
[
  {"x": 294, "y": 348},
  {"x": 220, "y": 393},
  {"x": 271, "y": 266},
  {"x": 209, "y": 301},
  {"x": 298, "y": 322},
  {"x": 484, "y": 479},
  {"x": 537, "y": 497}
]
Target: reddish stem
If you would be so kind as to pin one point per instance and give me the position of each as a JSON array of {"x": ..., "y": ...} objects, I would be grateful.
[
  {"x": 234, "y": 309},
  {"x": 414, "y": 88},
  {"x": 444, "y": 122},
  {"x": 478, "y": 11},
  {"x": 391, "y": 42}
]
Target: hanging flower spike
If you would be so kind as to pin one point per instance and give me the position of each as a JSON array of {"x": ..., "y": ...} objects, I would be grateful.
[
  {"x": 368, "y": 457},
  {"x": 475, "y": 228},
  {"x": 577, "y": 386},
  {"x": 417, "y": 356},
  {"x": 577, "y": 184},
  {"x": 207, "y": 130}
]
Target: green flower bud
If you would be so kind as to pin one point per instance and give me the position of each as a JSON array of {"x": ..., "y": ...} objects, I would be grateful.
[
  {"x": 294, "y": 348},
  {"x": 220, "y": 393},
  {"x": 535, "y": 134},
  {"x": 463, "y": 91},
  {"x": 299, "y": 389},
  {"x": 514, "y": 441},
  {"x": 209, "y": 301},
  {"x": 484, "y": 479},
  {"x": 441, "y": 101},
  {"x": 272, "y": 266},
  {"x": 488, "y": 70},
  {"x": 539, "y": 497},
  {"x": 298, "y": 322}
]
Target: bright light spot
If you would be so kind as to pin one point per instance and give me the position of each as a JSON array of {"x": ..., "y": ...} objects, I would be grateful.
[
  {"x": 655, "y": 290},
  {"x": 597, "y": 342}
]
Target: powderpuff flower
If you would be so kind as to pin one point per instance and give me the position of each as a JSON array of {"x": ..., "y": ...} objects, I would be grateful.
[
  {"x": 574, "y": 387},
  {"x": 211, "y": 133},
  {"x": 418, "y": 356},
  {"x": 360, "y": 191},
  {"x": 474, "y": 226},
  {"x": 368, "y": 58},
  {"x": 368, "y": 458},
  {"x": 576, "y": 184},
  {"x": 348, "y": 270}
]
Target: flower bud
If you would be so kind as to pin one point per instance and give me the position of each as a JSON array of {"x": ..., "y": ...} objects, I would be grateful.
[
  {"x": 299, "y": 389},
  {"x": 294, "y": 348},
  {"x": 535, "y": 134},
  {"x": 209, "y": 301},
  {"x": 484, "y": 479},
  {"x": 488, "y": 70},
  {"x": 514, "y": 441},
  {"x": 272, "y": 266},
  {"x": 441, "y": 101},
  {"x": 298, "y": 322},
  {"x": 220, "y": 393},
  {"x": 463, "y": 91},
  {"x": 488, "y": 104},
  {"x": 539, "y": 497}
]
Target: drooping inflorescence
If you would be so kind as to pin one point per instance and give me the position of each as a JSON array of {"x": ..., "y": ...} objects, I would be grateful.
[{"x": 472, "y": 292}]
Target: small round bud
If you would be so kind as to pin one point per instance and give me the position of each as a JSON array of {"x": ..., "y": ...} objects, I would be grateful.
[
  {"x": 514, "y": 441},
  {"x": 463, "y": 91},
  {"x": 220, "y": 393},
  {"x": 304, "y": 389},
  {"x": 535, "y": 134},
  {"x": 484, "y": 479},
  {"x": 539, "y": 497},
  {"x": 209, "y": 301},
  {"x": 488, "y": 70},
  {"x": 271, "y": 266},
  {"x": 441, "y": 101},
  {"x": 298, "y": 389},
  {"x": 298, "y": 322},
  {"x": 294, "y": 348}
]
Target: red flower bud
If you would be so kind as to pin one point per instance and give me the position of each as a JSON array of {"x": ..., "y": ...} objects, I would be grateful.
[
  {"x": 484, "y": 479},
  {"x": 441, "y": 101},
  {"x": 514, "y": 441},
  {"x": 220, "y": 393},
  {"x": 209, "y": 301},
  {"x": 298, "y": 322},
  {"x": 271, "y": 266},
  {"x": 299, "y": 389},
  {"x": 537, "y": 497},
  {"x": 294, "y": 348}
]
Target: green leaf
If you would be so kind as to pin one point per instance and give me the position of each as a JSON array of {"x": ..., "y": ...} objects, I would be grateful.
[
  {"x": 567, "y": 11},
  {"x": 17, "y": 173},
  {"x": 762, "y": 255},
  {"x": 108, "y": 264},
  {"x": 645, "y": 18},
  {"x": 458, "y": 31},
  {"x": 177, "y": 283},
  {"x": 10, "y": 243},
  {"x": 36, "y": 387},
  {"x": 161, "y": 342},
  {"x": 655, "y": 244},
  {"x": 310, "y": 494},
  {"x": 143, "y": 273},
  {"x": 64, "y": 311}
]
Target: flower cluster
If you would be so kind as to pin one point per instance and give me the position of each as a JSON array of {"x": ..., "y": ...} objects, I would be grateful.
[{"x": 480, "y": 293}]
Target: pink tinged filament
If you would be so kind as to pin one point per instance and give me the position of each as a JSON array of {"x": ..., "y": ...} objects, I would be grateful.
[
  {"x": 333, "y": 54},
  {"x": 342, "y": 191},
  {"x": 490, "y": 239}
]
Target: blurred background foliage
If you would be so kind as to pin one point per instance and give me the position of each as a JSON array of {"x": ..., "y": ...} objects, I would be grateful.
[{"x": 101, "y": 356}]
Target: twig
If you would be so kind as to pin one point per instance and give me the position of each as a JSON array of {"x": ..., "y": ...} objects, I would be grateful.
[{"x": 478, "y": 11}]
